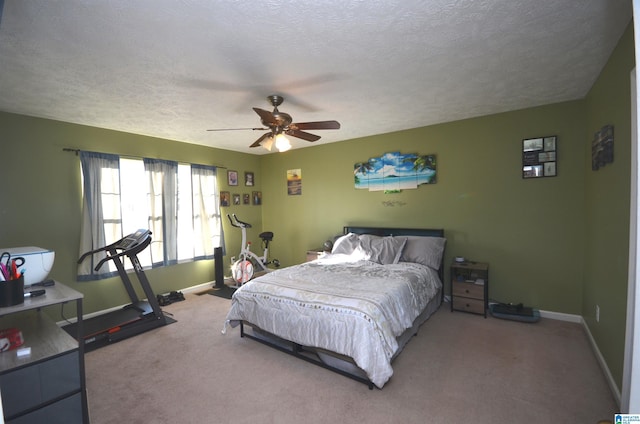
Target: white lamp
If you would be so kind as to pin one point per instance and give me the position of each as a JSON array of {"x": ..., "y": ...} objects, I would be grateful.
[{"x": 282, "y": 143}]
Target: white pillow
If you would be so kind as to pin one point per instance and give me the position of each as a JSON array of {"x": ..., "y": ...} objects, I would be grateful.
[
  {"x": 424, "y": 250},
  {"x": 346, "y": 244},
  {"x": 383, "y": 250}
]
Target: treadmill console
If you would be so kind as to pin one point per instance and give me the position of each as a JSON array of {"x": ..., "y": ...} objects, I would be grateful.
[{"x": 133, "y": 240}]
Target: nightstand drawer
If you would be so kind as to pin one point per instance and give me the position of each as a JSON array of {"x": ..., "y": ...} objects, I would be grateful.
[
  {"x": 468, "y": 290},
  {"x": 468, "y": 305}
]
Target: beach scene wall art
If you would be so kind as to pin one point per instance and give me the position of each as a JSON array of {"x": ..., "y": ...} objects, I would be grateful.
[{"x": 395, "y": 171}]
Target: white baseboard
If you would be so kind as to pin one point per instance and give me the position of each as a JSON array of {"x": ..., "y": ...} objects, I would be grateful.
[
  {"x": 198, "y": 287},
  {"x": 559, "y": 316},
  {"x": 603, "y": 364},
  {"x": 191, "y": 289}
]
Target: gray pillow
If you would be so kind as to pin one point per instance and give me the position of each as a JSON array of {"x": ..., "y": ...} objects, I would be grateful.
[
  {"x": 383, "y": 250},
  {"x": 424, "y": 250}
]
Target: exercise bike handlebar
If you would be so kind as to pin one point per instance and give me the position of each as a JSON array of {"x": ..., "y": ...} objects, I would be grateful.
[{"x": 237, "y": 223}]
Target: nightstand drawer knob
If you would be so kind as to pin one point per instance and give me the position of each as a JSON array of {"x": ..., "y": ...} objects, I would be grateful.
[{"x": 466, "y": 291}]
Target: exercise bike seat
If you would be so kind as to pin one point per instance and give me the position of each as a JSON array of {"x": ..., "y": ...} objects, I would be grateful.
[{"x": 266, "y": 236}]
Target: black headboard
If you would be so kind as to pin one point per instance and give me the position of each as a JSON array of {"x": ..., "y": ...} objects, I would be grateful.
[{"x": 385, "y": 231}]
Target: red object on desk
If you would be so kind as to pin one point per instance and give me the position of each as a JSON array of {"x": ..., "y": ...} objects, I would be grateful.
[{"x": 10, "y": 339}]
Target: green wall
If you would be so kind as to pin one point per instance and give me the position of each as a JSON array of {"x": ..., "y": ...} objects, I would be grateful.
[
  {"x": 530, "y": 231},
  {"x": 607, "y": 206},
  {"x": 42, "y": 197}
]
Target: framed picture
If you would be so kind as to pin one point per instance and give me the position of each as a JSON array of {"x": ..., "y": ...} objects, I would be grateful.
[
  {"x": 232, "y": 178},
  {"x": 257, "y": 197},
  {"x": 236, "y": 199},
  {"x": 294, "y": 182},
  {"x": 246, "y": 199},
  {"x": 248, "y": 179},
  {"x": 539, "y": 157},
  {"x": 225, "y": 198},
  {"x": 602, "y": 148}
]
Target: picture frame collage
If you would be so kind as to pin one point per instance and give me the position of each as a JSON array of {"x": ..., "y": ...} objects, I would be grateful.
[
  {"x": 539, "y": 157},
  {"x": 228, "y": 198}
]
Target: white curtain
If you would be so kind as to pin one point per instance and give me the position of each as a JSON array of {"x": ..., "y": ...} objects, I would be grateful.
[
  {"x": 207, "y": 220},
  {"x": 163, "y": 207},
  {"x": 183, "y": 210},
  {"x": 101, "y": 214}
]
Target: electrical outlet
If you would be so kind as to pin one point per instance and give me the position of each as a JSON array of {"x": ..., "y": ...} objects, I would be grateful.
[{"x": 597, "y": 313}]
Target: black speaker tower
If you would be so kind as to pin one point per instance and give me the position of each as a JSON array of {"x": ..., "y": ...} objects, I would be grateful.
[
  {"x": 220, "y": 289},
  {"x": 217, "y": 259}
]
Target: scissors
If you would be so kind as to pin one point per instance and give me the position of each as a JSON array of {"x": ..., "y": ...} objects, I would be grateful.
[{"x": 10, "y": 266}]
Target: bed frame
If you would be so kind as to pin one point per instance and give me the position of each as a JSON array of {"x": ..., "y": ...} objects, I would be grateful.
[{"x": 311, "y": 354}]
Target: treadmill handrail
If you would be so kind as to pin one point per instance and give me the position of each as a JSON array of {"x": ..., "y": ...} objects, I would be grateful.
[
  {"x": 129, "y": 252},
  {"x": 113, "y": 247},
  {"x": 100, "y": 249}
]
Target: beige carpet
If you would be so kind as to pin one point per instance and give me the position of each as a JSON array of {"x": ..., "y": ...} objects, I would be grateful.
[{"x": 460, "y": 368}]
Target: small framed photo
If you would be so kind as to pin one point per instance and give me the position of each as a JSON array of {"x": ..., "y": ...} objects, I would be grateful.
[
  {"x": 236, "y": 199},
  {"x": 257, "y": 197},
  {"x": 225, "y": 198},
  {"x": 550, "y": 169},
  {"x": 248, "y": 179},
  {"x": 232, "y": 178},
  {"x": 246, "y": 199}
]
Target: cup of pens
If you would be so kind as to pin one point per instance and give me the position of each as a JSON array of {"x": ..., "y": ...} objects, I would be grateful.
[{"x": 12, "y": 292}]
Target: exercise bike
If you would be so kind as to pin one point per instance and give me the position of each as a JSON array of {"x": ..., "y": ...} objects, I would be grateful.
[{"x": 243, "y": 268}]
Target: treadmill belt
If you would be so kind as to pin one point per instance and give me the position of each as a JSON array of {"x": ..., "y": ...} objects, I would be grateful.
[
  {"x": 103, "y": 323},
  {"x": 99, "y": 324}
]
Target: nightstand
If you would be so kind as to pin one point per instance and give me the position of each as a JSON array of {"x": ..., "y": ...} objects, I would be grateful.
[
  {"x": 313, "y": 254},
  {"x": 470, "y": 287}
]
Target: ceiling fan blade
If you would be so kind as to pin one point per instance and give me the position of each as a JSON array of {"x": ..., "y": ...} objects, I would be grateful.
[
  {"x": 260, "y": 140},
  {"x": 303, "y": 135},
  {"x": 238, "y": 129},
  {"x": 320, "y": 125},
  {"x": 266, "y": 116}
]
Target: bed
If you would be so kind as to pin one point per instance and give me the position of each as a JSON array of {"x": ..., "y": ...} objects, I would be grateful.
[{"x": 353, "y": 310}]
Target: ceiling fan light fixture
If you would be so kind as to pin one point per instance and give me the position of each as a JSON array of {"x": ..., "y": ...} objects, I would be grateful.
[
  {"x": 279, "y": 124},
  {"x": 267, "y": 143},
  {"x": 282, "y": 143}
]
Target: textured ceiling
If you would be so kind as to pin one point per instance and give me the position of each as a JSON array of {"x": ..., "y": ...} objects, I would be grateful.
[{"x": 175, "y": 68}]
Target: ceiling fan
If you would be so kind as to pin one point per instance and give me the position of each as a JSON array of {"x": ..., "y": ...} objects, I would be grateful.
[{"x": 279, "y": 123}]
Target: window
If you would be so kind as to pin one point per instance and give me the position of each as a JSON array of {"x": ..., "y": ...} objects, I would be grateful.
[{"x": 178, "y": 202}]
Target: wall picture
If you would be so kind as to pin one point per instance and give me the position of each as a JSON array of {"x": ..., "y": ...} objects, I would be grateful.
[
  {"x": 393, "y": 172},
  {"x": 539, "y": 157},
  {"x": 249, "y": 179},
  {"x": 294, "y": 182},
  {"x": 225, "y": 198},
  {"x": 602, "y": 148},
  {"x": 257, "y": 197},
  {"x": 232, "y": 178}
]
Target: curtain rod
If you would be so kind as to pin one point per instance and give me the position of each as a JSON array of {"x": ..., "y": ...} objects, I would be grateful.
[{"x": 77, "y": 151}]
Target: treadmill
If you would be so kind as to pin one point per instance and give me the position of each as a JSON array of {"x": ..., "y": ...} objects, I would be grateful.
[{"x": 137, "y": 317}]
